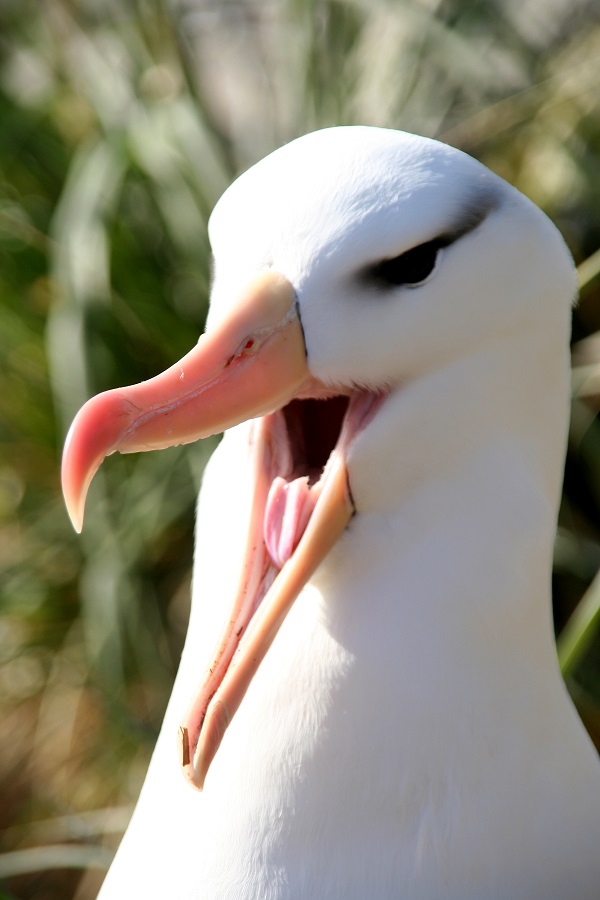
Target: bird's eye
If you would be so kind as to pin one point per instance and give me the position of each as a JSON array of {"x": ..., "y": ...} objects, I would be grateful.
[{"x": 410, "y": 269}]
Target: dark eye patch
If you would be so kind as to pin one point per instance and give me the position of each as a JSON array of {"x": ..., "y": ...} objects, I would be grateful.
[
  {"x": 410, "y": 268},
  {"x": 414, "y": 266}
]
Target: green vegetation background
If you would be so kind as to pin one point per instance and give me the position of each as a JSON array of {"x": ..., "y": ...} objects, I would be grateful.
[{"x": 121, "y": 123}]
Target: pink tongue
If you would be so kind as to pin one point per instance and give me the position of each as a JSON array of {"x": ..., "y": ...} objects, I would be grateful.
[{"x": 288, "y": 509}]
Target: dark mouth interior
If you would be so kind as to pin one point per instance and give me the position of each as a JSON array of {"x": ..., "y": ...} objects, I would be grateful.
[{"x": 313, "y": 428}]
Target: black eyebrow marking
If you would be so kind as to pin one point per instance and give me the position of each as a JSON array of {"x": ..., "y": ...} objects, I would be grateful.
[{"x": 473, "y": 212}]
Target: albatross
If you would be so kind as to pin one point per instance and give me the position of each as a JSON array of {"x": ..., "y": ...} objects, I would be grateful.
[{"x": 369, "y": 702}]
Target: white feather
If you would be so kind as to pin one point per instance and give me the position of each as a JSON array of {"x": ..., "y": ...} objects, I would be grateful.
[{"x": 408, "y": 733}]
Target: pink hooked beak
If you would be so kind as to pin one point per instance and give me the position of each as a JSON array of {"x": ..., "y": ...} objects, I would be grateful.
[{"x": 250, "y": 365}]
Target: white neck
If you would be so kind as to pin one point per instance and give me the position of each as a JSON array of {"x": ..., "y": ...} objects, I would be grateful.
[
  {"x": 408, "y": 733},
  {"x": 460, "y": 566}
]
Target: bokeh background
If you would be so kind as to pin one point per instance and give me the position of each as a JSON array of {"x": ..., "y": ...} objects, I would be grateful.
[{"x": 121, "y": 123}]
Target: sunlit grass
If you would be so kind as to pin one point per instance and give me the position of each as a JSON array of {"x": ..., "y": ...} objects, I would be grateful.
[{"x": 122, "y": 123}]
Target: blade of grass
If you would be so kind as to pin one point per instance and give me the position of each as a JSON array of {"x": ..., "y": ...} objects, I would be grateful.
[{"x": 579, "y": 632}]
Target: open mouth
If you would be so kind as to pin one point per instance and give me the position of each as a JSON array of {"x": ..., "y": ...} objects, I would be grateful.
[
  {"x": 301, "y": 438},
  {"x": 251, "y": 366},
  {"x": 299, "y": 455}
]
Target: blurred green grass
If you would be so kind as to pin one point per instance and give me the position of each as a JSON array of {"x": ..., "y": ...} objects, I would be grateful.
[{"x": 121, "y": 124}]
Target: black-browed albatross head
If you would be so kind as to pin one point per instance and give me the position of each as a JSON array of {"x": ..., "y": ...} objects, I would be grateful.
[{"x": 348, "y": 264}]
